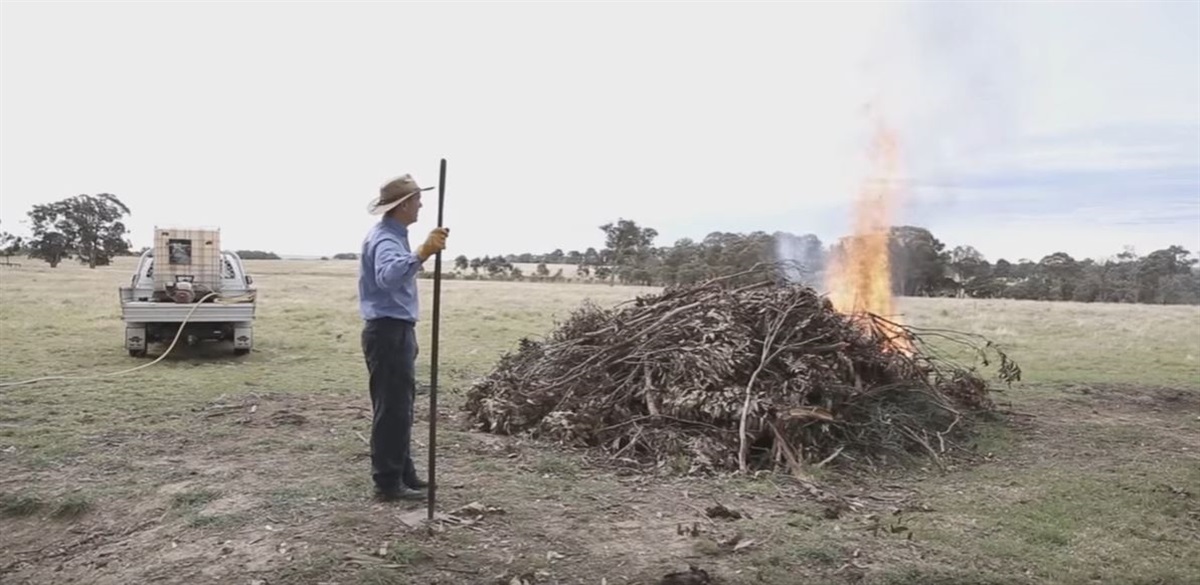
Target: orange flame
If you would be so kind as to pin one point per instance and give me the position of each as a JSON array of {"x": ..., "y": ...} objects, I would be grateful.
[{"x": 859, "y": 279}]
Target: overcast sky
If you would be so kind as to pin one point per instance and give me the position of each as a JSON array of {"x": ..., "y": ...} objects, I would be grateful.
[{"x": 278, "y": 122}]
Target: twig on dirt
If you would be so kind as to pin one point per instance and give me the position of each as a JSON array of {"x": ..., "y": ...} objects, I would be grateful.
[
  {"x": 454, "y": 570},
  {"x": 702, "y": 513},
  {"x": 139, "y": 526},
  {"x": 630, "y": 444},
  {"x": 362, "y": 438},
  {"x": 778, "y": 490},
  {"x": 831, "y": 457},
  {"x": 937, "y": 460},
  {"x": 941, "y": 436},
  {"x": 793, "y": 456},
  {"x": 849, "y": 565}
]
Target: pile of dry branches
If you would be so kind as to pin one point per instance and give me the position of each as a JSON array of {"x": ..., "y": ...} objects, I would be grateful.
[{"x": 711, "y": 377}]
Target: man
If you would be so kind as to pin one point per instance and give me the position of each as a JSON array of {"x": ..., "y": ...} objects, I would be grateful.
[{"x": 387, "y": 291}]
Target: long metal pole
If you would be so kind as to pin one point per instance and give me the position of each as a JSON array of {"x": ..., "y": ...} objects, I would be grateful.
[{"x": 433, "y": 356}]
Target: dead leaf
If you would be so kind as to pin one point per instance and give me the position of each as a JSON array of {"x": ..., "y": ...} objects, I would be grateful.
[
  {"x": 287, "y": 418},
  {"x": 693, "y": 576},
  {"x": 731, "y": 542},
  {"x": 743, "y": 544},
  {"x": 834, "y": 511},
  {"x": 522, "y": 579},
  {"x": 809, "y": 413},
  {"x": 477, "y": 509},
  {"x": 1178, "y": 491},
  {"x": 720, "y": 511}
]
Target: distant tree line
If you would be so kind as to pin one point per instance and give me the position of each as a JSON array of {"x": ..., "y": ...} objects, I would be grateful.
[
  {"x": 920, "y": 265},
  {"x": 89, "y": 229},
  {"x": 257, "y": 255}
]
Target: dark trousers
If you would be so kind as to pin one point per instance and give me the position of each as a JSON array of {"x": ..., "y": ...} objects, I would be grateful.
[{"x": 390, "y": 349}]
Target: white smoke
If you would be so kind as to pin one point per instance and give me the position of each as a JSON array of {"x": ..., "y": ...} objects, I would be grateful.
[
  {"x": 944, "y": 77},
  {"x": 802, "y": 259}
]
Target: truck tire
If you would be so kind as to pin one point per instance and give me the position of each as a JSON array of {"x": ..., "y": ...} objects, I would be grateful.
[{"x": 241, "y": 350}]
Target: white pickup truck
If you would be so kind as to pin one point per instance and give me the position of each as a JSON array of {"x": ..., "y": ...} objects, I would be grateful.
[{"x": 152, "y": 317}]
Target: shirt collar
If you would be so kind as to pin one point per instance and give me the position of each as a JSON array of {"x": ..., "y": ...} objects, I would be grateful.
[{"x": 393, "y": 225}]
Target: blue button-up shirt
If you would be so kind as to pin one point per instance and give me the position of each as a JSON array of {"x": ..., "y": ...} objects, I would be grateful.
[{"x": 387, "y": 278}]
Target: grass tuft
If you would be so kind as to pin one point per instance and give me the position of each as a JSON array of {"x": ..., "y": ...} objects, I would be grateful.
[
  {"x": 194, "y": 498},
  {"x": 20, "y": 505},
  {"x": 73, "y": 506},
  {"x": 381, "y": 576}
]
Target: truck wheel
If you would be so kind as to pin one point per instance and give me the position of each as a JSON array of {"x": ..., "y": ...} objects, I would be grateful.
[{"x": 241, "y": 350}]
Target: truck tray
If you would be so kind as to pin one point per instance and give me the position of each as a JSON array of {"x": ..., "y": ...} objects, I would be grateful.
[
  {"x": 146, "y": 312},
  {"x": 158, "y": 312}
]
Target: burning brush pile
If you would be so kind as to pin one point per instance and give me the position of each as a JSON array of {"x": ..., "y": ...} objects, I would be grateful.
[{"x": 736, "y": 378}]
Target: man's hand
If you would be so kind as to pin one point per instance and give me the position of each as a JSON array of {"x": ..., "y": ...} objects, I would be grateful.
[{"x": 434, "y": 243}]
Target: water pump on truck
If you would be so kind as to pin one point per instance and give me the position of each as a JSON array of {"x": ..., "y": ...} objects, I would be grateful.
[{"x": 186, "y": 281}]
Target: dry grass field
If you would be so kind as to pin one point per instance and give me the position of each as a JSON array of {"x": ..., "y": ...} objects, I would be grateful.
[{"x": 210, "y": 468}]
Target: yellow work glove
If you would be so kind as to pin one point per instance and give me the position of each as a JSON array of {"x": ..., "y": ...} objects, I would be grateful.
[{"x": 435, "y": 242}]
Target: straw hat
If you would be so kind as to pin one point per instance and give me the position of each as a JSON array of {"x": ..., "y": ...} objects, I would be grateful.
[{"x": 394, "y": 193}]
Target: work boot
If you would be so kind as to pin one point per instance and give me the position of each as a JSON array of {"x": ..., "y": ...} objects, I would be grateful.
[
  {"x": 400, "y": 493},
  {"x": 410, "y": 478}
]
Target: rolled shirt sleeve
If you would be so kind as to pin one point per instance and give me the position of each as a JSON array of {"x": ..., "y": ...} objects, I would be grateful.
[{"x": 394, "y": 264}]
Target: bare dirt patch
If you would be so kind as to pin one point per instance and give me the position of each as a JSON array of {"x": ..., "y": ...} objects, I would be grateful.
[
  {"x": 1157, "y": 399},
  {"x": 275, "y": 487}
]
